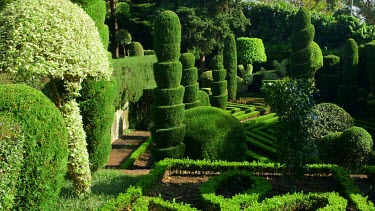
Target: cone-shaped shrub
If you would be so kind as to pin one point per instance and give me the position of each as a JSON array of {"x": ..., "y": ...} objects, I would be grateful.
[
  {"x": 136, "y": 49},
  {"x": 189, "y": 80},
  {"x": 230, "y": 64},
  {"x": 167, "y": 114},
  {"x": 303, "y": 36},
  {"x": 219, "y": 95},
  {"x": 347, "y": 93}
]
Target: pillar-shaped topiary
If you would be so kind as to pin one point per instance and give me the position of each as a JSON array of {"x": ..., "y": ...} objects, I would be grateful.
[
  {"x": 136, "y": 49},
  {"x": 189, "y": 80},
  {"x": 347, "y": 92},
  {"x": 56, "y": 39},
  {"x": 230, "y": 64},
  {"x": 219, "y": 95},
  {"x": 167, "y": 114},
  {"x": 302, "y": 39},
  {"x": 328, "y": 78},
  {"x": 370, "y": 73}
]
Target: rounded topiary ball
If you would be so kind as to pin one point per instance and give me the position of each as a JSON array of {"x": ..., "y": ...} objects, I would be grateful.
[
  {"x": 45, "y": 150},
  {"x": 250, "y": 50},
  {"x": 213, "y": 134},
  {"x": 354, "y": 147},
  {"x": 136, "y": 49},
  {"x": 187, "y": 60}
]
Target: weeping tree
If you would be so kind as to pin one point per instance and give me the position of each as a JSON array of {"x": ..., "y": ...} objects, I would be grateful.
[{"x": 58, "y": 41}]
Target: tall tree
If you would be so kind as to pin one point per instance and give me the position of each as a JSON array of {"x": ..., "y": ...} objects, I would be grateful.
[{"x": 366, "y": 10}]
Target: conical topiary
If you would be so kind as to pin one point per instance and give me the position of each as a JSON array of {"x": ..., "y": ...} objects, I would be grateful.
[
  {"x": 219, "y": 95},
  {"x": 189, "y": 80},
  {"x": 167, "y": 114},
  {"x": 230, "y": 64}
]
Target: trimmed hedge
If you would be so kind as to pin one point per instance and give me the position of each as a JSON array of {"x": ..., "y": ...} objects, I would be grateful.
[
  {"x": 11, "y": 151},
  {"x": 168, "y": 97},
  {"x": 250, "y": 50},
  {"x": 189, "y": 80},
  {"x": 168, "y": 116},
  {"x": 45, "y": 149},
  {"x": 230, "y": 64},
  {"x": 166, "y": 75},
  {"x": 204, "y": 98},
  {"x": 136, "y": 49},
  {"x": 175, "y": 135},
  {"x": 213, "y": 134}
]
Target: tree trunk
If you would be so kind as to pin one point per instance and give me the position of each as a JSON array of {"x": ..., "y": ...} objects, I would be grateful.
[
  {"x": 114, "y": 29},
  {"x": 202, "y": 64}
]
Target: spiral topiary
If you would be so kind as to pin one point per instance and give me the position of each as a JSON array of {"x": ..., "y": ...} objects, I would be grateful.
[
  {"x": 230, "y": 64},
  {"x": 213, "y": 134},
  {"x": 347, "y": 92},
  {"x": 56, "y": 39},
  {"x": 189, "y": 80},
  {"x": 219, "y": 95},
  {"x": 167, "y": 114},
  {"x": 136, "y": 49},
  {"x": 45, "y": 148},
  {"x": 302, "y": 39}
]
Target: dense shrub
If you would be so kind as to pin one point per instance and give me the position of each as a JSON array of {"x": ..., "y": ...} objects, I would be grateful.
[
  {"x": 167, "y": 114},
  {"x": 205, "y": 79},
  {"x": 212, "y": 133},
  {"x": 328, "y": 77},
  {"x": 11, "y": 159},
  {"x": 370, "y": 74},
  {"x": 189, "y": 80},
  {"x": 136, "y": 49},
  {"x": 219, "y": 95},
  {"x": 45, "y": 149},
  {"x": 316, "y": 57},
  {"x": 327, "y": 148},
  {"x": 250, "y": 50},
  {"x": 329, "y": 118},
  {"x": 204, "y": 98},
  {"x": 230, "y": 64}
]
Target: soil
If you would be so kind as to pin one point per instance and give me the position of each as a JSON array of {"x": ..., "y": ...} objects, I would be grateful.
[{"x": 185, "y": 187}]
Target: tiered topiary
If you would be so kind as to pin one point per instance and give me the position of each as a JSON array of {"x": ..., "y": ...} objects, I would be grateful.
[
  {"x": 136, "y": 49},
  {"x": 204, "y": 98},
  {"x": 189, "y": 80},
  {"x": 305, "y": 58},
  {"x": 347, "y": 93},
  {"x": 230, "y": 64},
  {"x": 167, "y": 114},
  {"x": 370, "y": 73},
  {"x": 44, "y": 152},
  {"x": 57, "y": 40},
  {"x": 328, "y": 78},
  {"x": 213, "y": 134},
  {"x": 219, "y": 95}
]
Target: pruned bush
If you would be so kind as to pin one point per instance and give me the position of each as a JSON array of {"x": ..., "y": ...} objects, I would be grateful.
[
  {"x": 45, "y": 152},
  {"x": 189, "y": 80},
  {"x": 136, "y": 49},
  {"x": 219, "y": 95},
  {"x": 204, "y": 98},
  {"x": 11, "y": 159},
  {"x": 205, "y": 79},
  {"x": 230, "y": 64},
  {"x": 213, "y": 134},
  {"x": 250, "y": 50}
]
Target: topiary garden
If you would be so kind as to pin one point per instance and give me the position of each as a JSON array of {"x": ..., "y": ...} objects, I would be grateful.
[{"x": 303, "y": 140}]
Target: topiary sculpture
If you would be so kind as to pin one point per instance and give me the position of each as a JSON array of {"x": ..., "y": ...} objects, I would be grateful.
[
  {"x": 213, "y": 134},
  {"x": 370, "y": 73},
  {"x": 204, "y": 98},
  {"x": 230, "y": 64},
  {"x": 301, "y": 61},
  {"x": 136, "y": 49},
  {"x": 57, "y": 40},
  {"x": 45, "y": 148},
  {"x": 328, "y": 79},
  {"x": 189, "y": 80},
  {"x": 347, "y": 92},
  {"x": 219, "y": 95},
  {"x": 167, "y": 114},
  {"x": 250, "y": 50}
]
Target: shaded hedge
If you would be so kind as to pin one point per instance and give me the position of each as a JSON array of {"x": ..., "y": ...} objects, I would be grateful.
[{"x": 45, "y": 149}]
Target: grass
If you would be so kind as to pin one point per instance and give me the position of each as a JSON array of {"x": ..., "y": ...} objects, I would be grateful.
[{"x": 107, "y": 184}]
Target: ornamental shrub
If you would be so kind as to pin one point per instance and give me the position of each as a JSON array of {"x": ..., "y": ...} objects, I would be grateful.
[
  {"x": 230, "y": 64},
  {"x": 11, "y": 151},
  {"x": 370, "y": 63},
  {"x": 219, "y": 95},
  {"x": 250, "y": 50},
  {"x": 45, "y": 152},
  {"x": 168, "y": 111},
  {"x": 329, "y": 118},
  {"x": 213, "y": 134},
  {"x": 189, "y": 80},
  {"x": 136, "y": 49},
  {"x": 316, "y": 57},
  {"x": 204, "y": 98}
]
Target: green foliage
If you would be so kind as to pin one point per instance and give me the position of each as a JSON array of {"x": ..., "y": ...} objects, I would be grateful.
[
  {"x": 97, "y": 109},
  {"x": 250, "y": 50},
  {"x": 329, "y": 118},
  {"x": 133, "y": 75},
  {"x": 168, "y": 74},
  {"x": 11, "y": 151},
  {"x": 219, "y": 95},
  {"x": 122, "y": 11},
  {"x": 46, "y": 142},
  {"x": 213, "y": 134},
  {"x": 230, "y": 64},
  {"x": 327, "y": 147},
  {"x": 189, "y": 80},
  {"x": 187, "y": 60},
  {"x": 349, "y": 74},
  {"x": 205, "y": 79},
  {"x": 136, "y": 49},
  {"x": 370, "y": 63},
  {"x": 316, "y": 57},
  {"x": 168, "y": 116},
  {"x": 123, "y": 37},
  {"x": 292, "y": 100},
  {"x": 203, "y": 97},
  {"x": 168, "y": 97}
]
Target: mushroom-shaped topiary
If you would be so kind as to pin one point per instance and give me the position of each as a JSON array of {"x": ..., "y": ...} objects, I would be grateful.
[
  {"x": 230, "y": 64},
  {"x": 213, "y": 134},
  {"x": 189, "y": 80},
  {"x": 56, "y": 39},
  {"x": 250, "y": 50}
]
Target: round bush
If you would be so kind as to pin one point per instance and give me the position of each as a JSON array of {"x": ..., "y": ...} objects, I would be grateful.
[
  {"x": 204, "y": 98},
  {"x": 187, "y": 60},
  {"x": 11, "y": 151},
  {"x": 329, "y": 118},
  {"x": 59, "y": 38},
  {"x": 213, "y": 134},
  {"x": 250, "y": 50},
  {"x": 354, "y": 147},
  {"x": 136, "y": 49},
  {"x": 45, "y": 149}
]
